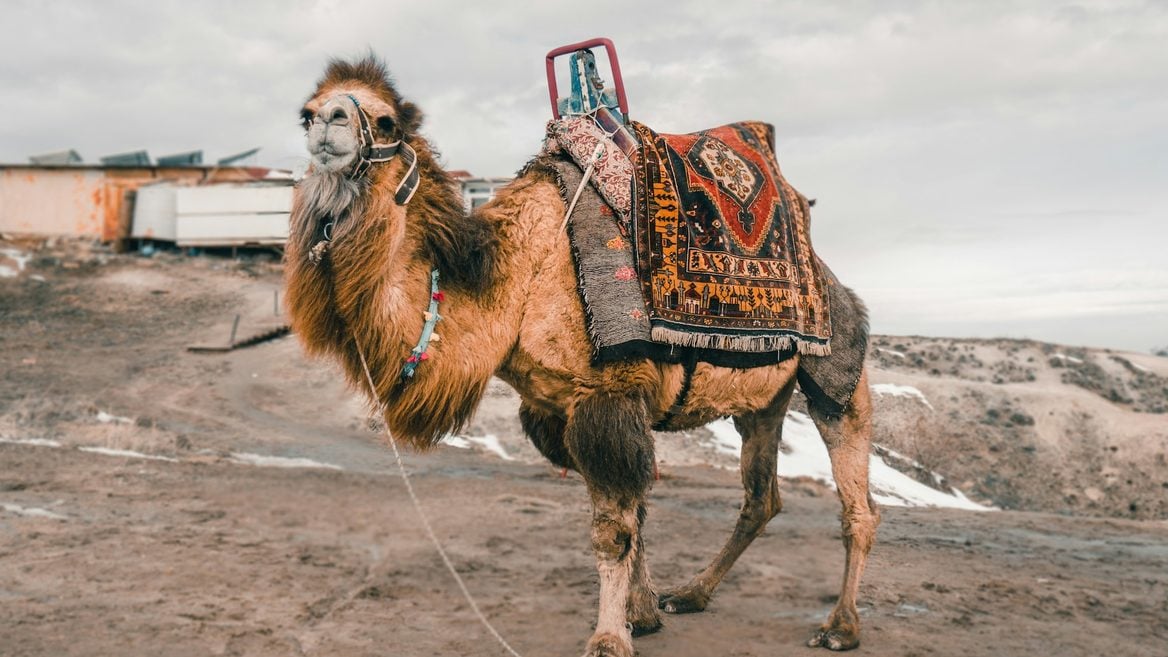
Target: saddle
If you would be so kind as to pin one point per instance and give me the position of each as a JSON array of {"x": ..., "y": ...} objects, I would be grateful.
[
  {"x": 693, "y": 248},
  {"x": 719, "y": 241}
]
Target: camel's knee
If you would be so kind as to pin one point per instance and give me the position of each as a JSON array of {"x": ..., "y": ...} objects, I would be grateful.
[
  {"x": 609, "y": 442},
  {"x": 859, "y": 528},
  {"x": 761, "y": 506},
  {"x": 772, "y": 502},
  {"x": 612, "y": 539}
]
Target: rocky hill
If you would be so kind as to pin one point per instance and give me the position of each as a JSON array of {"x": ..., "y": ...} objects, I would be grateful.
[{"x": 1029, "y": 425}]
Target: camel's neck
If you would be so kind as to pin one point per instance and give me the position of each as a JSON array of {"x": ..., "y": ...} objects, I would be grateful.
[{"x": 369, "y": 297}]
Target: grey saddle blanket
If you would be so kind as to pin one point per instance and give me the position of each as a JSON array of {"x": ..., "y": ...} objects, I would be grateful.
[{"x": 618, "y": 321}]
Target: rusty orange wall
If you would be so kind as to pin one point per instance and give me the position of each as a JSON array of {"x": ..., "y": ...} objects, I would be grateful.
[
  {"x": 86, "y": 202},
  {"x": 52, "y": 202}
]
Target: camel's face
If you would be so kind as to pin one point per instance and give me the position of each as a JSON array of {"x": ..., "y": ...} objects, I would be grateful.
[{"x": 332, "y": 126}]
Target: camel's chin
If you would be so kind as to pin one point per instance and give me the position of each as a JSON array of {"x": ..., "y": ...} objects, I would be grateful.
[
  {"x": 322, "y": 197},
  {"x": 330, "y": 163}
]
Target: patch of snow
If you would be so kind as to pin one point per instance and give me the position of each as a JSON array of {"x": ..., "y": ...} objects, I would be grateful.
[
  {"x": 891, "y": 352},
  {"x": 21, "y": 259},
  {"x": 892, "y": 487},
  {"x": 1069, "y": 359},
  {"x": 36, "y": 442},
  {"x": 106, "y": 418},
  {"x": 1139, "y": 367},
  {"x": 108, "y": 451},
  {"x": 455, "y": 441},
  {"x": 892, "y": 453},
  {"x": 804, "y": 455},
  {"x": 32, "y": 512},
  {"x": 901, "y": 391},
  {"x": 280, "y": 461},
  {"x": 489, "y": 442}
]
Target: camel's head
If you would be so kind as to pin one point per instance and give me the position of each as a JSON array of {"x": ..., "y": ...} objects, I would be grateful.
[
  {"x": 367, "y": 159},
  {"x": 355, "y": 114},
  {"x": 375, "y": 186}
]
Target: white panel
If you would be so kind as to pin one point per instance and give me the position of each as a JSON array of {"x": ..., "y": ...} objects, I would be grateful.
[
  {"x": 231, "y": 229},
  {"x": 154, "y": 213},
  {"x": 222, "y": 199}
]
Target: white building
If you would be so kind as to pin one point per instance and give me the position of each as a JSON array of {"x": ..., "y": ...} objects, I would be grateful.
[{"x": 477, "y": 191}]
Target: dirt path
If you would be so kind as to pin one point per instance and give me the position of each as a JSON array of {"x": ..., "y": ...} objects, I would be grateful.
[{"x": 211, "y": 558}]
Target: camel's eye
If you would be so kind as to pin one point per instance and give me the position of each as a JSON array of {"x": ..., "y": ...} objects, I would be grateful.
[
  {"x": 387, "y": 125},
  {"x": 306, "y": 118}
]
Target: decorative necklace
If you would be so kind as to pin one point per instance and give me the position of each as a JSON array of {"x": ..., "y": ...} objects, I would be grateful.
[{"x": 419, "y": 353}]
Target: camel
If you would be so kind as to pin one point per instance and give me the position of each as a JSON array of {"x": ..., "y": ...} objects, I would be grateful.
[{"x": 366, "y": 234}]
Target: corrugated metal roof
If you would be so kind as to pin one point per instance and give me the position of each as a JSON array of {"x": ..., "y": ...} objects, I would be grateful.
[
  {"x": 232, "y": 159},
  {"x": 190, "y": 158},
  {"x": 133, "y": 159},
  {"x": 59, "y": 158}
]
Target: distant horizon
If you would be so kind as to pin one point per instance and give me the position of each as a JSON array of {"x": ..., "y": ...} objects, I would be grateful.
[{"x": 1151, "y": 351}]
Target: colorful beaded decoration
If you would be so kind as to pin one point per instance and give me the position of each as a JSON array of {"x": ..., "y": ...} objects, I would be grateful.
[{"x": 419, "y": 353}]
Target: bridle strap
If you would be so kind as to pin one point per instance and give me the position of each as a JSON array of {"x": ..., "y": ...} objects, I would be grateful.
[{"x": 372, "y": 153}]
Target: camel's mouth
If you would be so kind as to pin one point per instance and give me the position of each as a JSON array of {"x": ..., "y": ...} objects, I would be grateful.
[{"x": 333, "y": 137}]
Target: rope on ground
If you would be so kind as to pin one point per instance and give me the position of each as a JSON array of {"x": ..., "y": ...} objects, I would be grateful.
[{"x": 401, "y": 468}]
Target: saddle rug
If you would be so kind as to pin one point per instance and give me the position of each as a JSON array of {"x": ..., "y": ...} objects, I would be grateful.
[
  {"x": 722, "y": 244},
  {"x": 616, "y": 315}
]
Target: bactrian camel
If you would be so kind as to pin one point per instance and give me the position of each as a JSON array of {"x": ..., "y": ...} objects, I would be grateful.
[{"x": 510, "y": 309}]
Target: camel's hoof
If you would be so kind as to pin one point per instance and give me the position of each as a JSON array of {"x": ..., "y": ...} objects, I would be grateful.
[
  {"x": 837, "y": 638},
  {"x": 685, "y": 600},
  {"x": 646, "y": 624},
  {"x": 642, "y": 614},
  {"x": 608, "y": 645}
]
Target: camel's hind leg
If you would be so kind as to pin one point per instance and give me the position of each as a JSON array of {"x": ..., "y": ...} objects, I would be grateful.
[
  {"x": 761, "y": 432},
  {"x": 848, "y": 442}
]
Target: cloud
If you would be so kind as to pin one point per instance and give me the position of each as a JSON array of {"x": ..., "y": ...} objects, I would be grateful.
[{"x": 962, "y": 143}]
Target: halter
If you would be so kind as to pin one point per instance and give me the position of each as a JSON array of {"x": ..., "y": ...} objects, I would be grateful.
[{"x": 372, "y": 153}]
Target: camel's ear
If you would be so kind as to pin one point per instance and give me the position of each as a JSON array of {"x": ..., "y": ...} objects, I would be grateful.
[{"x": 410, "y": 117}]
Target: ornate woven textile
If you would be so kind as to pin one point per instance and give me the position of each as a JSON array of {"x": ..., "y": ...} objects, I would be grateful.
[
  {"x": 722, "y": 244},
  {"x": 617, "y": 319},
  {"x": 612, "y": 174}
]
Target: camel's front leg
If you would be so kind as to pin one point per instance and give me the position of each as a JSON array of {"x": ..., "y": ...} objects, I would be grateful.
[
  {"x": 609, "y": 440},
  {"x": 547, "y": 434},
  {"x": 614, "y": 530},
  {"x": 642, "y": 613}
]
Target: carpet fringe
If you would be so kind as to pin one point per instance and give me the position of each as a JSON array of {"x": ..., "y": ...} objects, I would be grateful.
[{"x": 747, "y": 343}]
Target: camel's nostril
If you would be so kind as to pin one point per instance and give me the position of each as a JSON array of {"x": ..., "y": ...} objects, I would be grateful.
[{"x": 338, "y": 114}]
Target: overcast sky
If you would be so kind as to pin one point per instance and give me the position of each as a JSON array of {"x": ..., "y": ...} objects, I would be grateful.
[{"x": 982, "y": 168}]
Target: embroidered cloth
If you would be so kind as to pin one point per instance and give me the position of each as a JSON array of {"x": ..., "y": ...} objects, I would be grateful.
[
  {"x": 722, "y": 244},
  {"x": 612, "y": 174}
]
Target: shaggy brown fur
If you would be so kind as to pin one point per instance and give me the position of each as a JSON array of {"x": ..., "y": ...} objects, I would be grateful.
[
  {"x": 371, "y": 73},
  {"x": 609, "y": 441},
  {"x": 546, "y": 432},
  {"x": 511, "y": 310},
  {"x": 346, "y": 300}
]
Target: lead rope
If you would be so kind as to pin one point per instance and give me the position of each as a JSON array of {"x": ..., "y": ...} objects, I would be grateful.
[
  {"x": 597, "y": 153},
  {"x": 401, "y": 468}
]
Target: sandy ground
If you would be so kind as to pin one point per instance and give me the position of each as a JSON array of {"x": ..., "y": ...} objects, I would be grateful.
[{"x": 205, "y": 554}]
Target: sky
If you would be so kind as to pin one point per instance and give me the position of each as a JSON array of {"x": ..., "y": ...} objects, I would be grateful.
[{"x": 982, "y": 168}]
